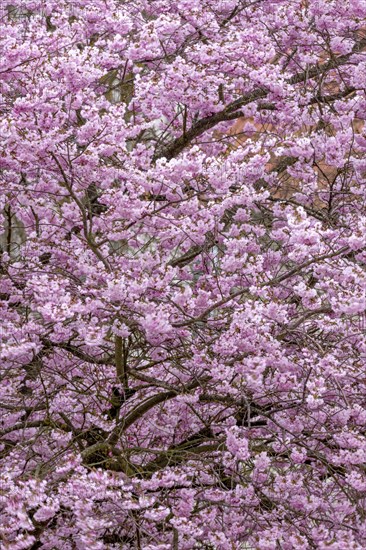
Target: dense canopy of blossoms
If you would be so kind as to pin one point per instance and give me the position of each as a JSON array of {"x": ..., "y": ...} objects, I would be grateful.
[{"x": 182, "y": 274}]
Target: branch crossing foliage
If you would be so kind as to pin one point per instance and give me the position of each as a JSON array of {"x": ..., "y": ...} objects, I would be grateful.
[{"x": 182, "y": 274}]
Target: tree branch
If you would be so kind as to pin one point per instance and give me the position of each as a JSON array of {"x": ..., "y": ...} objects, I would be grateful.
[{"x": 231, "y": 111}]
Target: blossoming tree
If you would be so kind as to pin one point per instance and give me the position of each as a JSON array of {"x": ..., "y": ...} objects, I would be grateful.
[{"x": 182, "y": 274}]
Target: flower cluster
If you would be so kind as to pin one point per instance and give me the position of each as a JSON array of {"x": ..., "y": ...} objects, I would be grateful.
[{"x": 182, "y": 274}]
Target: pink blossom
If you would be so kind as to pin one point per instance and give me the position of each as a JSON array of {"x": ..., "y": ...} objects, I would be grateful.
[{"x": 182, "y": 274}]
